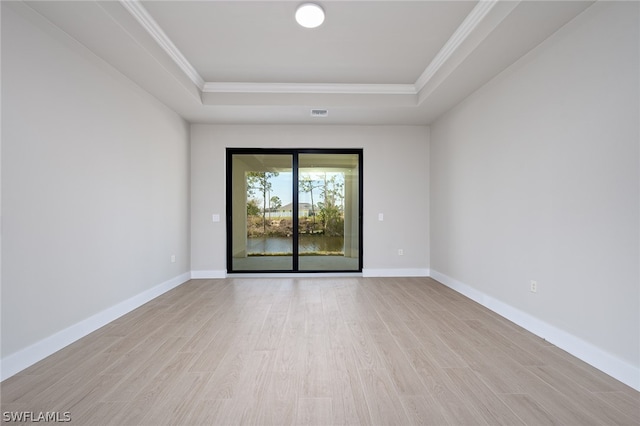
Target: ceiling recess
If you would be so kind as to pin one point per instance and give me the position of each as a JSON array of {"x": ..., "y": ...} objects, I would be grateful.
[{"x": 462, "y": 50}]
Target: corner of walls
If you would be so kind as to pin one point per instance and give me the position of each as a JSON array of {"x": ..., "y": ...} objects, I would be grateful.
[{"x": 213, "y": 274}]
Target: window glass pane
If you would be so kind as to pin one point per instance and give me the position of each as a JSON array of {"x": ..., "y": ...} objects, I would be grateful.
[
  {"x": 328, "y": 215},
  {"x": 262, "y": 231}
]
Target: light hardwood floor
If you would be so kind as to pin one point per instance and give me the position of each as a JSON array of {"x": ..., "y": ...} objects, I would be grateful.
[{"x": 325, "y": 351}]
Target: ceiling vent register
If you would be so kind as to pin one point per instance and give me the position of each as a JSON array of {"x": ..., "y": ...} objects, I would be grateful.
[{"x": 319, "y": 113}]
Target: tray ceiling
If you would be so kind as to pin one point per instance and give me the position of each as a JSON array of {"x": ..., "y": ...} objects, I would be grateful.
[{"x": 371, "y": 62}]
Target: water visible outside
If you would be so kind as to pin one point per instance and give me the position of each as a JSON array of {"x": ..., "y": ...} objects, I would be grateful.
[{"x": 306, "y": 244}]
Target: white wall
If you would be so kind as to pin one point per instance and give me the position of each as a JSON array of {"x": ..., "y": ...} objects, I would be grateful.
[
  {"x": 95, "y": 191},
  {"x": 536, "y": 177},
  {"x": 395, "y": 183}
]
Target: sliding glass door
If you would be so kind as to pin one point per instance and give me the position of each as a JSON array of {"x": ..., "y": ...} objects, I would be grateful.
[
  {"x": 329, "y": 213},
  {"x": 294, "y": 210},
  {"x": 259, "y": 232}
]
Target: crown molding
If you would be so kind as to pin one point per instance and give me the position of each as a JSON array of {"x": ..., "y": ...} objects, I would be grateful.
[
  {"x": 157, "y": 33},
  {"x": 470, "y": 23},
  {"x": 311, "y": 88}
]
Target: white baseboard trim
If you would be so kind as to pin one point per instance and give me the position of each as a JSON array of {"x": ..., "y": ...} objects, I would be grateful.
[
  {"x": 410, "y": 272},
  {"x": 18, "y": 361},
  {"x": 214, "y": 274},
  {"x": 596, "y": 357}
]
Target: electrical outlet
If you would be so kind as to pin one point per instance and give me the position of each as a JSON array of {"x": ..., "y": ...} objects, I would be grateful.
[
  {"x": 400, "y": 252},
  {"x": 534, "y": 287},
  {"x": 173, "y": 258}
]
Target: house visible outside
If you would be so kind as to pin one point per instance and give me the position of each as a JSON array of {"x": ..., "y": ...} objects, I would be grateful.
[{"x": 304, "y": 210}]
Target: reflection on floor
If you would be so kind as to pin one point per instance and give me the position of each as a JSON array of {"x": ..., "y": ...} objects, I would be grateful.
[{"x": 284, "y": 263}]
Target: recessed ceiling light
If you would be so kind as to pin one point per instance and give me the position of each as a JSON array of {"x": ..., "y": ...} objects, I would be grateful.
[{"x": 309, "y": 15}]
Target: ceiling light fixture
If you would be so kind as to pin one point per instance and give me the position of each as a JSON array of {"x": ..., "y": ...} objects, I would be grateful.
[{"x": 309, "y": 15}]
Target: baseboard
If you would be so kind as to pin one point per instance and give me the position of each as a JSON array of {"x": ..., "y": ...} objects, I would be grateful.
[
  {"x": 28, "y": 356},
  {"x": 214, "y": 274},
  {"x": 592, "y": 355},
  {"x": 409, "y": 272}
]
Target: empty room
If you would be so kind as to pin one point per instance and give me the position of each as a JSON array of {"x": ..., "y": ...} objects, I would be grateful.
[{"x": 330, "y": 213}]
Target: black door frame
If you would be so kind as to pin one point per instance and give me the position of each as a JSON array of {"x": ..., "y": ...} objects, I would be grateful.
[{"x": 294, "y": 152}]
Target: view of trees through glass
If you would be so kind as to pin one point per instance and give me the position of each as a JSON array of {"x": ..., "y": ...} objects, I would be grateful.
[
  {"x": 268, "y": 232},
  {"x": 320, "y": 215}
]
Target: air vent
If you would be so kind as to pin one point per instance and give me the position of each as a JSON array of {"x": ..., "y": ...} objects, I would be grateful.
[{"x": 319, "y": 113}]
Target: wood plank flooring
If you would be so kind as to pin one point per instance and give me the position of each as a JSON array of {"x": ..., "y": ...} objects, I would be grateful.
[{"x": 317, "y": 351}]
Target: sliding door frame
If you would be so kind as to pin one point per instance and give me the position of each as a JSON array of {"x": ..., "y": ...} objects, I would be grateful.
[{"x": 294, "y": 152}]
